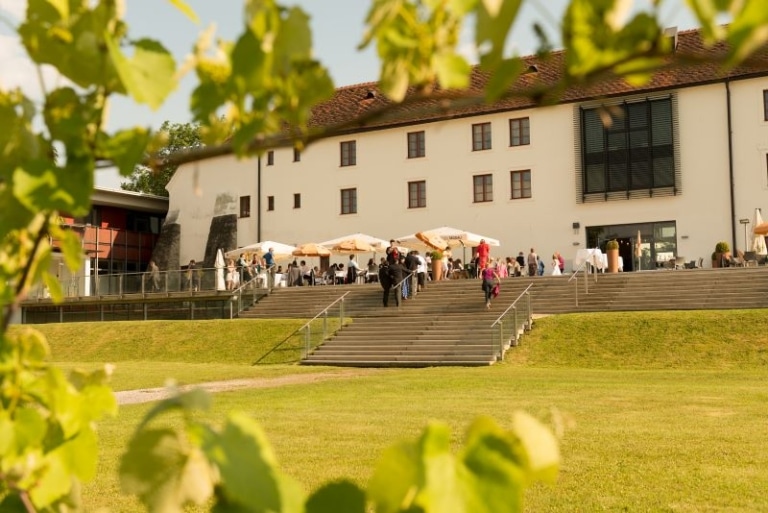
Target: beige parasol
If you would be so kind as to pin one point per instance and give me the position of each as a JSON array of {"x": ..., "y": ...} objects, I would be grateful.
[
  {"x": 311, "y": 249},
  {"x": 432, "y": 240},
  {"x": 353, "y": 246}
]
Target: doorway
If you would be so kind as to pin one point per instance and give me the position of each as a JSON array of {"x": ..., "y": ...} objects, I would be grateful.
[{"x": 642, "y": 246}]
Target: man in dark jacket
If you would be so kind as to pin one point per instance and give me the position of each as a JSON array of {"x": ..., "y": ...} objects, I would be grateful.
[
  {"x": 411, "y": 263},
  {"x": 397, "y": 272},
  {"x": 385, "y": 279}
]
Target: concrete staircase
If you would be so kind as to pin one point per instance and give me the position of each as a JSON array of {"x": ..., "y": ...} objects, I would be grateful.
[{"x": 448, "y": 324}]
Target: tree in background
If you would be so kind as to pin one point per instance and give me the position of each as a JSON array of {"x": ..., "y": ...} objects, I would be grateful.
[{"x": 179, "y": 137}]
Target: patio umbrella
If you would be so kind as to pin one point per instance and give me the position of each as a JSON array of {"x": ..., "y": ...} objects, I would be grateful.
[
  {"x": 281, "y": 251},
  {"x": 454, "y": 237},
  {"x": 432, "y": 240},
  {"x": 758, "y": 240},
  {"x": 219, "y": 264},
  {"x": 353, "y": 246},
  {"x": 378, "y": 244},
  {"x": 311, "y": 249}
]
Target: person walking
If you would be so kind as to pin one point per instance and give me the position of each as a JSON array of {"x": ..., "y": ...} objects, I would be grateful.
[
  {"x": 385, "y": 280},
  {"x": 153, "y": 273},
  {"x": 532, "y": 262},
  {"x": 490, "y": 280},
  {"x": 483, "y": 251},
  {"x": 397, "y": 273},
  {"x": 269, "y": 264}
]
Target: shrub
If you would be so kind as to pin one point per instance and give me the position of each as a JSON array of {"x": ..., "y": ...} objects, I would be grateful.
[
  {"x": 722, "y": 247},
  {"x": 612, "y": 244}
]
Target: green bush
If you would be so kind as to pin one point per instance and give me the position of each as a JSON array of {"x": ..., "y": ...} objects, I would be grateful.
[
  {"x": 722, "y": 247},
  {"x": 612, "y": 244}
]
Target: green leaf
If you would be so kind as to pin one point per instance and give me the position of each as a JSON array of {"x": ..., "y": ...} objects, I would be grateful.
[
  {"x": 53, "y": 483},
  {"x": 148, "y": 76},
  {"x": 126, "y": 148},
  {"x": 194, "y": 399},
  {"x": 248, "y": 468},
  {"x": 165, "y": 472},
  {"x": 336, "y": 497},
  {"x": 540, "y": 445},
  {"x": 507, "y": 72},
  {"x": 494, "y": 22},
  {"x": 452, "y": 71},
  {"x": 186, "y": 9},
  {"x": 747, "y": 32}
]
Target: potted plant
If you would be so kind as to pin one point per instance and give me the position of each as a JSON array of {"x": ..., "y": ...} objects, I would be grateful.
[
  {"x": 437, "y": 265},
  {"x": 722, "y": 253},
  {"x": 715, "y": 261},
  {"x": 612, "y": 250}
]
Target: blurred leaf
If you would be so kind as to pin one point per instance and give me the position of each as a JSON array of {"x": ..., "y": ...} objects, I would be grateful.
[
  {"x": 148, "y": 76},
  {"x": 336, "y": 497},
  {"x": 747, "y": 32},
  {"x": 184, "y": 8},
  {"x": 126, "y": 148},
  {"x": 452, "y": 71},
  {"x": 190, "y": 400},
  {"x": 164, "y": 471}
]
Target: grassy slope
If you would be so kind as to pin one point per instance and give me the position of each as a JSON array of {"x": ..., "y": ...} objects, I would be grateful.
[{"x": 662, "y": 411}]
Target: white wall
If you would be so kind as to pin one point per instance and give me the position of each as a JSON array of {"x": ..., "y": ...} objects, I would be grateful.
[{"x": 382, "y": 172}]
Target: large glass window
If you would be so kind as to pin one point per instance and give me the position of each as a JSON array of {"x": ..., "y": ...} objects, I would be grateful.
[
  {"x": 642, "y": 246},
  {"x": 483, "y": 188},
  {"x": 633, "y": 150}
]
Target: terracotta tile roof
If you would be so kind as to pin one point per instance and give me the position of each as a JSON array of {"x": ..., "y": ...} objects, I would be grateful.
[{"x": 350, "y": 102}]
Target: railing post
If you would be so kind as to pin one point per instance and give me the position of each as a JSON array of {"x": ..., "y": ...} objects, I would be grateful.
[
  {"x": 307, "y": 337},
  {"x": 529, "y": 321},
  {"x": 341, "y": 313},
  {"x": 500, "y": 353},
  {"x": 325, "y": 324},
  {"x": 513, "y": 339}
]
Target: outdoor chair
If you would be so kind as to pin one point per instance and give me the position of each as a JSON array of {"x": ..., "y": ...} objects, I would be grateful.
[{"x": 679, "y": 262}]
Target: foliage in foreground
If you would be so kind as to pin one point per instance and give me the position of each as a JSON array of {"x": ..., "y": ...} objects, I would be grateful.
[{"x": 265, "y": 81}]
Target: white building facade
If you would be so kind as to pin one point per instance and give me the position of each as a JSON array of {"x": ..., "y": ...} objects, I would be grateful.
[{"x": 684, "y": 160}]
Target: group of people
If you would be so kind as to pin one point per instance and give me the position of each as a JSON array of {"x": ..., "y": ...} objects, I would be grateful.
[{"x": 405, "y": 274}]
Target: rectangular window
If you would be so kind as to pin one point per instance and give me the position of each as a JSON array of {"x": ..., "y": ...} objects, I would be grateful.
[
  {"x": 270, "y": 158},
  {"x": 521, "y": 184},
  {"x": 765, "y": 104},
  {"x": 348, "y": 153},
  {"x": 519, "y": 132},
  {"x": 483, "y": 188},
  {"x": 297, "y": 200},
  {"x": 270, "y": 203},
  {"x": 481, "y": 136},
  {"x": 634, "y": 151},
  {"x": 416, "y": 145},
  {"x": 349, "y": 201},
  {"x": 245, "y": 206},
  {"x": 296, "y": 155},
  {"x": 417, "y": 194}
]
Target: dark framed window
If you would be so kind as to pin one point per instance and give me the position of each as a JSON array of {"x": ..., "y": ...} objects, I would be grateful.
[
  {"x": 483, "y": 188},
  {"x": 634, "y": 151},
  {"x": 481, "y": 136},
  {"x": 519, "y": 132},
  {"x": 270, "y": 158},
  {"x": 297, "y": 200},
  {"x": 521, "y": 184},
  {"x": 296, "y": 155},
  {"x": 349, "y": 153},
  {"x": 349, "y": 201},
  {"x": 765, "y": 104},
  {"x": 245, "y": 206},
  {"x": 416, "y": 144},
  {"x": 417, "y": 194},
  {"x": 270, "y": 203}
]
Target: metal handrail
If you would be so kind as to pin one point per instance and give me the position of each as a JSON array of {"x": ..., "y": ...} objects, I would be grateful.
[
  {"x": 500, "y": 321},
  {"x": 324, "y": 311},
  {"x": 237, "y": 297},
  {"x": 586, "y": 279}
]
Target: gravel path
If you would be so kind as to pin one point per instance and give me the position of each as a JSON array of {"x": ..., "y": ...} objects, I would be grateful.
[{"x": 146, "y": 395}]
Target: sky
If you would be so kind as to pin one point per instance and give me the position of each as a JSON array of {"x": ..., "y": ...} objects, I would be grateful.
[{"x": 337, "y": 27}]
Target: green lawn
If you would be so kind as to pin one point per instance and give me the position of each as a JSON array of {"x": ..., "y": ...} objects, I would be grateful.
[{"x": 658, "y": 411}]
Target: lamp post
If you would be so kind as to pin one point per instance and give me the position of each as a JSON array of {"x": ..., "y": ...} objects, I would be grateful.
[{"x": 745, "y": 222}]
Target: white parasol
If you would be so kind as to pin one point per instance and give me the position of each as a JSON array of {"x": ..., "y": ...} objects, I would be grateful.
[
  {"x": 758, "y": 239},
  {"x": 455, "y": 237},
  {"x": 281, "y": 251},
  {"x": 220, "y": 264}
]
